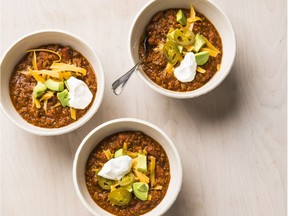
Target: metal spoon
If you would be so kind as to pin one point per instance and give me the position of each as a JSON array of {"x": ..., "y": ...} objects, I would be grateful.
[{"x": 119, "y": 84}]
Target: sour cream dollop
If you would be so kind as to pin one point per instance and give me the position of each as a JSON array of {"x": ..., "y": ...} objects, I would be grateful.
[
  {"x": 116, "y": 168},
  {"x": 79, "y": 93},
  {"x": 186, "y": 71}
]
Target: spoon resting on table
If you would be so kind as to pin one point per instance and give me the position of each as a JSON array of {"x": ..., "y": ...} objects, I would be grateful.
[{"x": 120, "y": 83}]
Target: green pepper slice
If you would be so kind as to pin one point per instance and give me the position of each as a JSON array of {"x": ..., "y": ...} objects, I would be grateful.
[
  {"x": 171, "y": 52},
  {"x": 105, "y": 183},
  {"x": 127, "y": 180},
  {"x": 120, "y": 197},
  {"x": 184, "y": 37}
]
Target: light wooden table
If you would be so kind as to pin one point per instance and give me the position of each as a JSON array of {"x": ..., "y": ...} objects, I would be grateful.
[{"x": 232, "y": 141}]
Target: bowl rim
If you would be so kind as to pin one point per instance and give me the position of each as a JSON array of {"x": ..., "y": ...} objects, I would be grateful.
[
  {"x": 190, "y": 94},
  {"x": 119, "y": 120},
  {"x": 97, "y": 100}
]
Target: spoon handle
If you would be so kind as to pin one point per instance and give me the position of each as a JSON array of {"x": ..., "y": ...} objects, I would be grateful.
[{"x": 119, "y": 84}]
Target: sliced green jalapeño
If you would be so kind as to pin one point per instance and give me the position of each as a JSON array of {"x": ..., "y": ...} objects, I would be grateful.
[
  {"x": 104, "y": 183},
  {"x": 184, "y": 37},
  {"x": 120, "y": 197},
  {"x": 171, "y": 52},
  {"x": 127, "y": 180}
]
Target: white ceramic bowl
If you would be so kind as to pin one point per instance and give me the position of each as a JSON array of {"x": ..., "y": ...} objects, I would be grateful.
[
  {"x": 34, "y": 40},
  {"x": 118, "y": 125},
  {"x": 213, "y": 13}
]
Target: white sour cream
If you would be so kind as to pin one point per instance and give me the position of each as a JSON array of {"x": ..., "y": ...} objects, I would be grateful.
[
  {"x": 116, "y": 168},
  {"x": 80, "y": 95},
  {"x": 186, "y": 71}
]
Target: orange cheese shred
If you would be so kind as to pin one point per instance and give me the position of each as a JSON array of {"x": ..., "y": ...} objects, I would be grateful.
[
  {"x": 58, "y": 67},
  {"x": 47, "y": 96},
  {"x": 34, "y": 62},
  {"x": 73, "y": 113},
  {"x": 193, "y": 19},
  {"x": 200, "y": 70},
  {"x": 190, "y": 24},
  {"x": 38, "y": 77},
  {"x": 36, "y": 102},
  {"x": 50, "y": 73},
  {"x": 212, "y": 53},
  {"x": 108, "y": 154},
  {"x": 152, "y": 166},
  {"x": 141, "y": 176},
  {"x": 45, "y": 105},
  {"x": 46, "y": 50},
  {"x": 209, "y": 44}
]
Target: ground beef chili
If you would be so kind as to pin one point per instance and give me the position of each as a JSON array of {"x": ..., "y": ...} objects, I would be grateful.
[
  {"x": 135, "y": 141},
  {"x": 154, "y": 63},
  {"x": 21, "y": 87}
]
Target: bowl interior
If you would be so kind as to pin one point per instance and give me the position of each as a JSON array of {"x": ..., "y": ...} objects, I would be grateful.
[
  {"x": 17, "y": 51},
  {"x": 213, "y": 13},
  {"x": 109, "y": 128}
]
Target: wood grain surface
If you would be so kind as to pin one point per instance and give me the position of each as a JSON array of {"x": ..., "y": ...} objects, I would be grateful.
[{"x": 232, "y": 141}]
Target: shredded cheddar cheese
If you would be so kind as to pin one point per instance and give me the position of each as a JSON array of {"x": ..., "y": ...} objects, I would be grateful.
[
  {"x": 141, "y": 176},
  {"x": 149, "y": 197},
  {"x": 171, "y": 30},
  {"x": 192, "y": 11},
  {"x": 134, "y": 162},
  {"x": 210, "y": 45},
  {"x": 56, "y": 105},
  {"x": 211, "y": 52},
  {"x": 58, "y": 67},
  {"x": 37, "y": 103},
  {"x": 95, "y": 170},
  {"x": 158, "y": 187},
  {"x": 145, "y": 151},
  {"x": 131, "y": 154},
  {"x": 200, "y": 70},
  {"x": 37, "y": 77},
  {"x": 124, "y": 146},
  {"x": 47, "y": 96},
  {"x": 152, "y": 170},
  {"x": 66, "y": 75},
  {"x": 189, "y": 48},
  {"x": 50, "y": 73},
  {"x": 73, "y": 113},
  {"x": 45, "y": 105},
  {"x": 169, "y": 68},
  {"x": 193, "y": 19},
  {"x": 46, "y": 50},
  {"x": 34, "y": 62},
  {"x": 190, "y": 24},
  {"x": 108, "y": 154}
]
